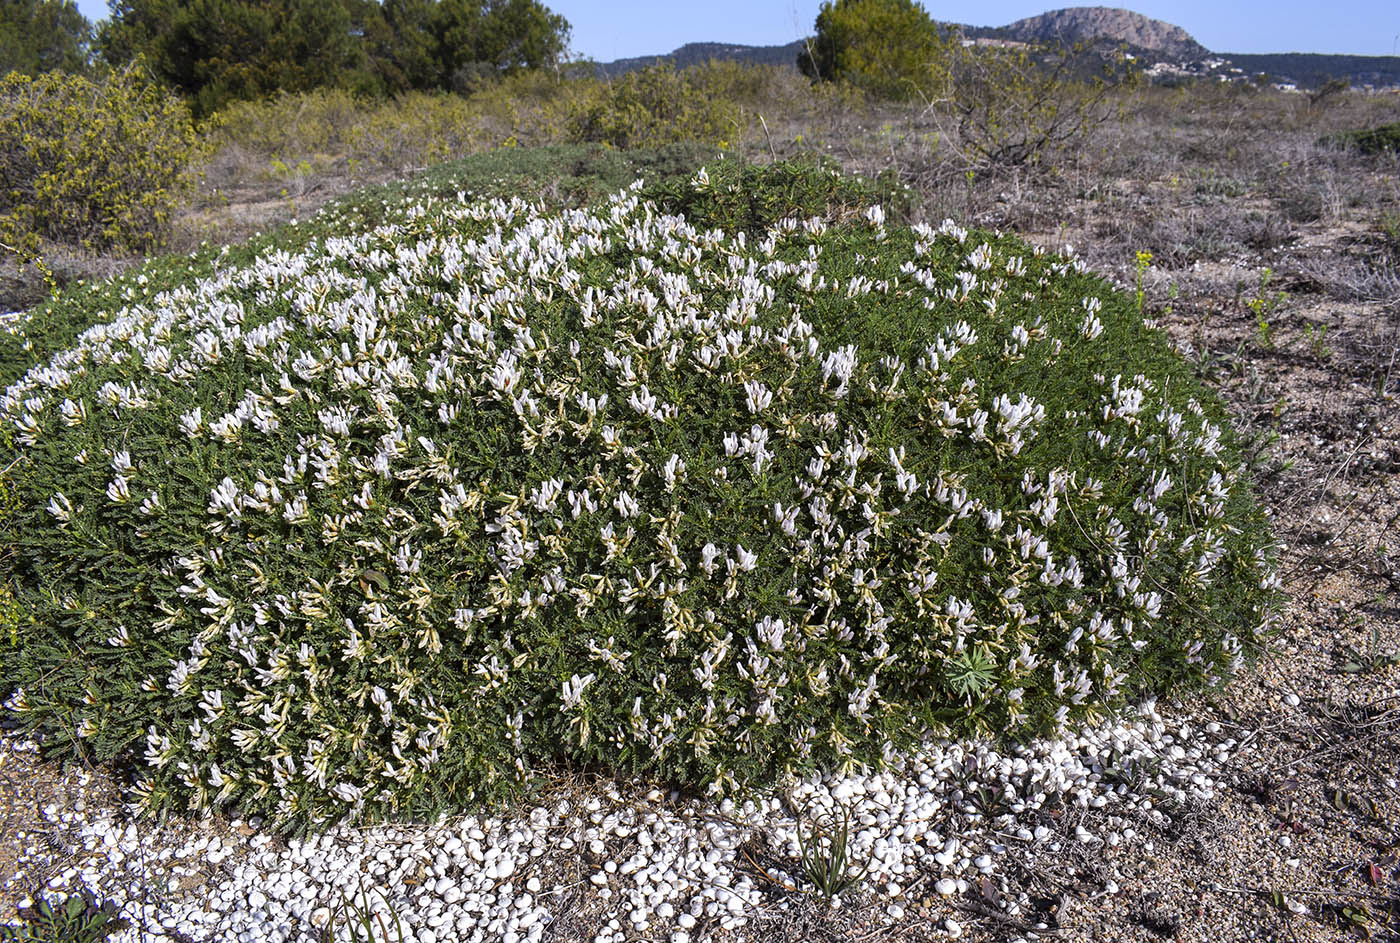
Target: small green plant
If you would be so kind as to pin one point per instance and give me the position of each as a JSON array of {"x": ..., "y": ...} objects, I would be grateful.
[
  {"x": 1373, "y": 658},
  {"x": 826, "y": 852},
  {"x": 1316, "y": 336},
  {"x": 79, "y": 918},
  {"x": 1141, "y": 263},
  {"x": 1262, "y": 306},
  {"x": 970, "y": 672},
  {"x": 362, "y": 919},
  {"x": 1357, "y": 918},
  {"x": 1388, "y": 234},
  {"x": 1380, "y": 140}
]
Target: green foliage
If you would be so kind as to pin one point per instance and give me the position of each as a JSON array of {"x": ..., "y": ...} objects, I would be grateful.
[
  {"x": 1316, "y": 336},
  {"x": 1263, "y": 305},
  {"x": 1374, "y": 658},
  {"x": 1142, "y": 261},
  {"x": 826, "y": 852},
  {"x": 496, "y": 37},
  {"x": 1387, "y": 236},
  {"x": 399, "y": 43},
  {"x": 739, "y": 197},
  {"x": 217, "y": 51},
  {"x": 337, "y": 132},
  {"x": 10, "y": 612},
  {"x": 98, "y": 162},
  {"x": 78, "y": 918},
  {"x": 889, "y": 48},
  {"x": 657, "y": 105},
  {"x": 221, "y": 51},
  {"x": 1384, "y": 139},
  {"x": 375, "y": 522},
  {"x": 43, "y": 36},
  {"x": 364, "y": 921}
]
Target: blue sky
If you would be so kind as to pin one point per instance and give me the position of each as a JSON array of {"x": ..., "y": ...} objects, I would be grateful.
[{"x": 613, "y": 29}]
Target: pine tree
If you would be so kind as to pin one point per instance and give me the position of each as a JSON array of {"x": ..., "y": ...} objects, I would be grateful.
[{"x": 43, "y": 36}]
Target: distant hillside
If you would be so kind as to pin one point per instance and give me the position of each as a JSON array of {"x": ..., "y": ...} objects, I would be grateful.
[
  {"x": 1169, "y": 53},
  {"x": 700, "y": 53},
  {"x": 1311, "y": 70},
  {"x": 1086, "y": 24}
]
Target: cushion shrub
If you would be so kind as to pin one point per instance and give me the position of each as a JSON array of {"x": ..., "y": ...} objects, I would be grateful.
[{"x": 383, "y": 524}]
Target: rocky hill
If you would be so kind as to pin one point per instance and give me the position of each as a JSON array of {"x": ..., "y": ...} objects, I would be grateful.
[{"x": 1086, "y": 24}]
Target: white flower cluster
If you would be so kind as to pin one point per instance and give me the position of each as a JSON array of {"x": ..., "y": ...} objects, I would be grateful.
[{"x": 489, "y": 483}]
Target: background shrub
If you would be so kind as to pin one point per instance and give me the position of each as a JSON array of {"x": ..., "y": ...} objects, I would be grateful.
[
  {"x": 98, "y": 162},
  {"x": 333, "y": 130},
  {"x": 376, "y": 525},
  {"x": 219, "y": 51}
]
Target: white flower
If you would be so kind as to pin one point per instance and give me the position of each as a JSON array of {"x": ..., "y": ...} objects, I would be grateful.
[
  {"x": 60, "y": 507},
  {"x": 626, "y": 505},
  {"x": 758, "y": 396},
  {"x": 347, "y": 793},
  {"x": 708, "y": 554},
  {"x": 192, "y": 422},
  {"x": 770, "y": 632},
  {"x": 117, "y": 491},
  {"x": 673, "y": 470},
  {"x": 572, "y": 690},
  {"x": 73, "y": 413}
]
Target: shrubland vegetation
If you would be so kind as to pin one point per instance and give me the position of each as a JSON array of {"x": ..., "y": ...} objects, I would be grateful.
[
  {"x": 891, "y": 49},
  {"x": 362, "y": 480}
]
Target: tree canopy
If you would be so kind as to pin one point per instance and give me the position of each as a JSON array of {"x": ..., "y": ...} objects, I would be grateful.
[
  {"x": 889, "y": 48},
  {"x": 43, "y": 36},
  {"x": 216, "y": 51}
]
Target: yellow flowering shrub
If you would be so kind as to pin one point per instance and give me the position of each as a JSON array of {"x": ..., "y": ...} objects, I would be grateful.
[
  {"x": 658, "y": 105},
  {"x": 97, "y": 162}
]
